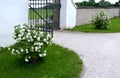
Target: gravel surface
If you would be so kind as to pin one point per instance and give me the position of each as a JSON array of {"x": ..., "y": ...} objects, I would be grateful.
[{"x": 99, "y": 52}]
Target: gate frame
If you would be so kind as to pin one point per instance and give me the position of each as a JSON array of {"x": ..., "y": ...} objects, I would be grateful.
[{"x": 47, "y": 24}]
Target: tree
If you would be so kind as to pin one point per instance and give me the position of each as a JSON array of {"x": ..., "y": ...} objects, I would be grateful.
[
  {"x": 117, "y": 4},
  {"x": 92, "y": 2},
  {"x": 103, "y": 3}
]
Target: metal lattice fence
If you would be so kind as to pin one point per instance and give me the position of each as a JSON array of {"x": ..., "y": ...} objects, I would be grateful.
[{"x": 41, "y": 14}]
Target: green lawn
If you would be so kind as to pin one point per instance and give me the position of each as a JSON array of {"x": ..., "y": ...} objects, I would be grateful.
[
  {"x": 59, "y": 63},
  {"x": 41, "y": 12},
  {"x": 114, "y": 27}
]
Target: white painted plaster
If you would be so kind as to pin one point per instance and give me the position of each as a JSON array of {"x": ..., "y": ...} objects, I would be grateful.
[
  {"x": 12, "y": 12},
  {"x": 67, "y": 14}
]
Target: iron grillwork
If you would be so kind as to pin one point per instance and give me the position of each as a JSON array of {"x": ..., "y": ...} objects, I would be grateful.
[{"x": 41, "y": 14}]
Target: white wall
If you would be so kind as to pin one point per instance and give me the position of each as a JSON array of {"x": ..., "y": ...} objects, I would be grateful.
[
  {"x": 12, "y": 12},
  {"x": 67, "y": 14}
]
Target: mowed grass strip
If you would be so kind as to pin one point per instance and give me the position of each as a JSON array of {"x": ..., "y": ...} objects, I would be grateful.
[
  {"x": 114, "y": 27},
  {"x": 59, "y": 63}
]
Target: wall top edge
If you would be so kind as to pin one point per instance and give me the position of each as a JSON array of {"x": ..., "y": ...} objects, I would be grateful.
[{"x": 98, "y": 8}]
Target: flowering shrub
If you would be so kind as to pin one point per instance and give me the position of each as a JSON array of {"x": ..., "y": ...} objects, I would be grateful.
[
  {"x": 33, "y": 43},
  {"x": 101, "y": 21}
]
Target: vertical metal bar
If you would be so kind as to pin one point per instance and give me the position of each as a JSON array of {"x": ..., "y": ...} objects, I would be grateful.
[
  {"x": 28, "y": 13},
  {"x": 33, "y": 12},
  {"x": 46, "y": 15},
  {"x": 42, "y": 14},
  {"x": 38, "y": 11}
]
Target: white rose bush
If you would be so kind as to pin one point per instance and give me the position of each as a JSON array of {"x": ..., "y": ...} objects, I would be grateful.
[
  {"x": 33, "y": 42},
  {"x": 101, "y": 21}
]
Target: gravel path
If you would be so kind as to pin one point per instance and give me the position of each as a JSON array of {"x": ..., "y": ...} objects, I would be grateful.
[{"x": 99, "y": 52}]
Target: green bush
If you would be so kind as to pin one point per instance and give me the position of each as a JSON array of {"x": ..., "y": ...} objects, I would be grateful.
[
  {"x": 32, "y": 43},
  {"x": 101, "y": 21}
]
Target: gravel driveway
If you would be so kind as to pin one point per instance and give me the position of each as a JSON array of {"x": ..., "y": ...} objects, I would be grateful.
[{"x": 99, "y": 52}]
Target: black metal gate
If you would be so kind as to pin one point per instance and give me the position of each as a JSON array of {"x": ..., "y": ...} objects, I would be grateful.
[{"x": 43, "y": 13}]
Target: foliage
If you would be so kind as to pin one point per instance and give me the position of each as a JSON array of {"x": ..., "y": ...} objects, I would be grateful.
[
  {"x": 103, "y": 3},
  {"x": 101, "y": 21},
  {"x": 34, "y": 41},
  {"x": 117, "y": 4},
  {"x": 57, "y": 64},
  {"x": 1, "y": 48},
  {"x": 84, "y": 3},
  {"x": 92, "y": 3}
]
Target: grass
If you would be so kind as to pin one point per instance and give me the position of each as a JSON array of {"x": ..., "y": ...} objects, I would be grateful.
[
  {"x": 114, "y": 27},
  {"x": 59, "y": 63},
  {"x": 41, "y": 12}
]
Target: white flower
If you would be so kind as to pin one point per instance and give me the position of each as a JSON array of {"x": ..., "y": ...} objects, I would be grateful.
[
  {"x": 41, "y": 44},
  {"x": 27, "y": 36},
  {"x": 8, "y": 48},
  {"x": 39, "y": 28},
  {"x": 44, "y": 54},
  {"x": 26, "y": 60},
  {"x": 29, "y": 57},
  {"x": 13, "y": 50},
  {"x": 34, "y": 36},
  {"x": 23, "y": 30},
  {"x": 30, "y": 37},
  {"x": 28, "y": 30},
  {"x": 23, "y": 38},
  {"x": 17, "y": 52},
  {"x": 21, "y": 50},
  {"x": 19, "y": 35},
  {"x": 49, "y": 36},
  {"x": 36, "y": 48},
  {"x": 32, "y": 40},
  {"x": 27, "y": 51},
  {"x": 41, "y": 33},
  {"x": 35, "y": 44},
  {"x": 28, "y": 40},
  {"x": 45, "y": 51},
  {"x": 40, "y": 55},
  {"x": 32, "y": 48},
  {"x": 47, "y": 42},
  {"x": 38, "y": 38},
  {"x": 44, "y": 40}
]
